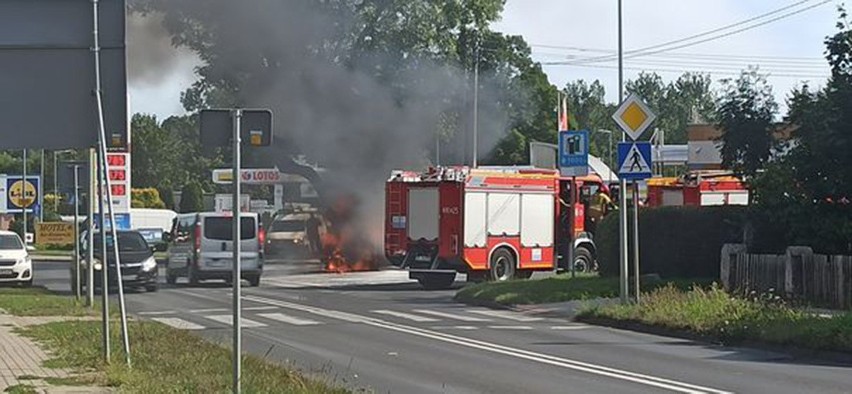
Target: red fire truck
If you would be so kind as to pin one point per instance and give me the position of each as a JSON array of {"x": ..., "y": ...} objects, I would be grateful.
[
  {"x": 697, "y": 189},
  {"x": 493, "y": 223}
]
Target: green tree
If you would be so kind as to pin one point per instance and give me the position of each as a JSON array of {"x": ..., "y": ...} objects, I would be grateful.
[
  {"x": 677, "y": 104},
  {"x": 192, "y": 198},
  {"x": 146, "y": 198},
  {"x": 746, "y": 115}
]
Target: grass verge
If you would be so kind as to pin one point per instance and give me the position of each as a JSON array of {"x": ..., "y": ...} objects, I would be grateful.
[
  {"x": 715, "y": 314},
  {"x": 164, "y": 360},
  {"x": 38, "y": 301},
  {"x": 21, "y": 389},
  {"x": 558, "y": 288}
]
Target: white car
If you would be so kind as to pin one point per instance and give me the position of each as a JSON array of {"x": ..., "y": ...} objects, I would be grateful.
[{"x": 15, "y": 262}]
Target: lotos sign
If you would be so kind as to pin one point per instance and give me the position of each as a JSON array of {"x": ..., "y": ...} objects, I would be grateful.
[{"x": 253, "y": 176}]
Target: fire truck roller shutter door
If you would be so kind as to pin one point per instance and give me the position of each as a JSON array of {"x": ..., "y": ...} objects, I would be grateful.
[
  {"x": 423, "y": 213},
  {"x": 537, "y": 220},
  {"x": 504, "y": 214},
  {"x": 475, "y": 211}
]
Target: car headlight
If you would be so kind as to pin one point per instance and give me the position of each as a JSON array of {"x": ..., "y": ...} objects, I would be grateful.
[
  {"x": 25, "y": 260},
  {"x": 97, "y": 265},
  {"x": 149, "y": 264}
]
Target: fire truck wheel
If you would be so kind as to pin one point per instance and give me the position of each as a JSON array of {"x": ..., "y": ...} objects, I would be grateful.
[
  {"x": 437, "y": 281},
  {"x": 502, "y": 265},
  {"x": 584, "y": 261}
]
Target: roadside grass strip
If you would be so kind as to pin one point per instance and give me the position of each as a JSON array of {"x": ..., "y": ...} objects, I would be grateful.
[
  {"x": 164, "y": 360},
  {"x": 716, "y": 314},
  {"x": 38, "y": 301},
  {"x": 558, "y": 288}
]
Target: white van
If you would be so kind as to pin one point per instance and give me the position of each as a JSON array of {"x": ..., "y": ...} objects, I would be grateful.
[{"x": 201, "y": 247}]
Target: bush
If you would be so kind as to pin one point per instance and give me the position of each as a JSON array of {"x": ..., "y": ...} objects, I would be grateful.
[
  {"x": 682, "y": 242},
  {"x": 146, "y": 198}
]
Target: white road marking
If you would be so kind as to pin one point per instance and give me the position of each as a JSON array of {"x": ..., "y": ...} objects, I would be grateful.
[
  {"x": 260, "y": 308},
  {"x": 505, "y": 315},
  {"x": 450, "y": 315},
  {"x": 510, "y": 327},
  {"x": 420, "y": 319},
  {"x": 648, "y": 380},
  {"x": 466, "y": 328},
  {"x": 577, "y": 327},
  {"x": 288, "y": 319},
  {"x": 156, "y": 313},
  {"x": 228, "y": 319},
  {"x": 210, "y": 310},
  {"x": 180, "y": 324}
]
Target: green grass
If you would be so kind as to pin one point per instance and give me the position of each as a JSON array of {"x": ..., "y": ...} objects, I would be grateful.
[
  {"x": 21, "y": 389},
  {"x": 38, "y": 301},
  {"x": 554, "y": 289},
  {"x": 714, "y": 313},
  {"x": 164, "y": 360},
  {"x": 52, "y": 252}
]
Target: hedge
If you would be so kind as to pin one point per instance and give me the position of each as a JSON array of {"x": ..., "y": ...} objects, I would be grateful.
[{"x": 674, "y": 242}]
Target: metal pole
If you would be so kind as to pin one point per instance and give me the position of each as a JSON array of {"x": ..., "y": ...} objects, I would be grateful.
[
  {"x": 636, "y": 239},
  {"x": 55, "y": 182},
  {"x": 24, "y": 195},
  {"x": 476, "y": 108},
  {"x": 41, "y": 195},
  {"x": 622, "y": 217},
  {"x": 103, "y": 169},
  {"x": 236, "y": 275},
  {"x": 90, "y": 238},
  {"x": 611, "y": 161},
  {"x": 571, "y": 229},
  {"x": 76, "y": 232},
  {"x": 104, "y": 264}
]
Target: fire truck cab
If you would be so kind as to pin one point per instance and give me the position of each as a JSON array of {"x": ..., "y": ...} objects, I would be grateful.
[{"x": 490, "y": 223}]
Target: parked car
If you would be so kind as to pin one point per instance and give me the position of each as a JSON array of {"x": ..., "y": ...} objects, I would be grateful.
[
  {"x": 15, "y": 263},
  {"x": 138, "y": 267},
  {"x": 201, "y": 247},
  {"x": 295, "y": 235}
]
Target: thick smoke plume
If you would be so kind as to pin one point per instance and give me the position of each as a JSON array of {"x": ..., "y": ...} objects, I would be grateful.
[
  {"x": 342, "y": 112},
  {"x": 151, "y": 57}
]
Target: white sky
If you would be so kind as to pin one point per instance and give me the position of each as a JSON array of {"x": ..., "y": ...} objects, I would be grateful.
[{"x": 590, "y": 28}]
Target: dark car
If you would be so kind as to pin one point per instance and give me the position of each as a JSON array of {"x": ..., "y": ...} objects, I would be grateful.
[
  {"x": 138, "y": 266},
  {"x": 155, "y": 238}
]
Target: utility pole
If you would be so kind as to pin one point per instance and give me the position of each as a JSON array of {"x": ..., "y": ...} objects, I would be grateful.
[
  {"x": 476, "y": 107},
  {"x": 24, "y": 184},
  {"x": 622, "y": 186}
]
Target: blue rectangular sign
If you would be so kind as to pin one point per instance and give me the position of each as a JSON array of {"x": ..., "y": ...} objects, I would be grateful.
[
  {"x": 20, "y": 194},
  {"x": 574, "y": 153},
  {"x": 634, "y": 160},
  {"x": 122, "y": 221}
]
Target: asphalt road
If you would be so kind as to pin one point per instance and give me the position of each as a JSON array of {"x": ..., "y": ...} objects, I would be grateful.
[{"x": 380, "y": 332}]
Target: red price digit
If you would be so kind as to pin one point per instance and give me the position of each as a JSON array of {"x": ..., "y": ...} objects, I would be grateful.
[
  {"x": 118, "y": 190},
  {"x": 115, "y": 160},
  {"x": 117, "y": 175}
]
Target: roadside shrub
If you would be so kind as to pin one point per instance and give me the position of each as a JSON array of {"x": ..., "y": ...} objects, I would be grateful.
[{"x": 680, "y": 242}]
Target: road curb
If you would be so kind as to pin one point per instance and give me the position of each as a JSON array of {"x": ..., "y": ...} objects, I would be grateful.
[
  {"x": 486, "y": 304},
  {"x": 45, "y": 258},
  {"x": 795, "y": 352}
]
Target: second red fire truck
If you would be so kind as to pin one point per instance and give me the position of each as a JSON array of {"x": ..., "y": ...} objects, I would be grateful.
[{"x": 494, "y": 223}]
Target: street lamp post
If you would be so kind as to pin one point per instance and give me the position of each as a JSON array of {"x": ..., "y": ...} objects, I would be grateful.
[
  {"x": 609, "y": 132},
  {"x": 55, "y": 178}
]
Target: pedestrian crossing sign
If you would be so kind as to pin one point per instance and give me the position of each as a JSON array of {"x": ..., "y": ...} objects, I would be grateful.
[{"x": 634, "y": 160}]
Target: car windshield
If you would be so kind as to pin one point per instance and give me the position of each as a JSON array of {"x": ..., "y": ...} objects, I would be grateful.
[
  {"x": 10, "y": 242},
  {"x": 127, "y": 242},
  {"x": 220, "y": 228},
  {"x": 288, "y": 226}
]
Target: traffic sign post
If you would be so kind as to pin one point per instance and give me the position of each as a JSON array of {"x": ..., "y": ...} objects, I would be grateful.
[
  {"x": 221, "y": 128},
  {"x": 634, "y": 163}
]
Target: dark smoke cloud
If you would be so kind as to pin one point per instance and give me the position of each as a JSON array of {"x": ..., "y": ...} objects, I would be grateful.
[
  {"x": 346, "y": 119},
  {"x": 151, "y": 57}
]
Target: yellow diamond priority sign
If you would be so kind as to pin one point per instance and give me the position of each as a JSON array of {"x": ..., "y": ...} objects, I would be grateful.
[{"x": 633, "y": 116}]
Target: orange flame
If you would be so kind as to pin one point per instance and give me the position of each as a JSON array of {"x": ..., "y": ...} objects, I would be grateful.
[{"x": 344, "y": 248}]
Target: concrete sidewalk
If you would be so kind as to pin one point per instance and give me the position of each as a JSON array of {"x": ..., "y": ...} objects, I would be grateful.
[{"x": 21, "y": 357}]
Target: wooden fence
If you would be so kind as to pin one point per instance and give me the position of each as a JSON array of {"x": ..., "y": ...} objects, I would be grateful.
[{"x": 799, "y": 274}]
